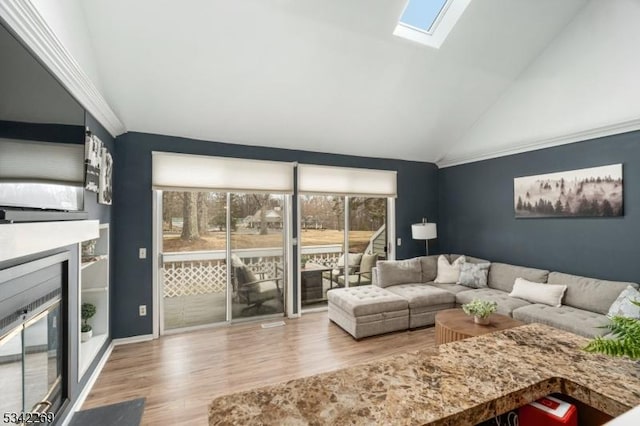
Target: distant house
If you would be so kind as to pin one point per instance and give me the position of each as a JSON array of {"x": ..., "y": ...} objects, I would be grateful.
[{"x": 273, "y": 218}]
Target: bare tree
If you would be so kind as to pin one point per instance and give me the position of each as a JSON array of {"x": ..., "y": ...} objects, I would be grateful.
[
  {"x": 263, "y": 202},
  {"x": 190, "y": 216},
  {"x": 203, "y": 214}
]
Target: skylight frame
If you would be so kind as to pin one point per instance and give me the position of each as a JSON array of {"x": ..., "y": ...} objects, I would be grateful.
[{"x": 449, "y": 15}]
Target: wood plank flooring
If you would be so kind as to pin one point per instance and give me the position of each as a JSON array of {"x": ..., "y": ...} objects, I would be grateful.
[{"x": 180, "y": 374}]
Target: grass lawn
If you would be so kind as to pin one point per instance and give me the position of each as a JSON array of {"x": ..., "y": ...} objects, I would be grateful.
[{"x": 248, "y": 238}]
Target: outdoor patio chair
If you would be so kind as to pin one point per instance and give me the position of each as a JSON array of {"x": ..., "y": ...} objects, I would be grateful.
[
  {"x": 250, "y": 290},
  {"x": 360, "y": 275}
]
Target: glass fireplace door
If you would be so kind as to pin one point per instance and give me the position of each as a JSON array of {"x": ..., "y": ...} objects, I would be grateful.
[{"x": 31, "y": 360}]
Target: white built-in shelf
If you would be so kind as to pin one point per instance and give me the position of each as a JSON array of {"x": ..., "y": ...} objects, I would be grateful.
[
  {"x": 94, "y": 288},
  {"x": 89, "y": 350},
  {"x": 94, "y": 260}
]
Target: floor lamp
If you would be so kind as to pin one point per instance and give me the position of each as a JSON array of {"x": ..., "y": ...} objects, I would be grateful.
[{"x": 424, "y": 231}]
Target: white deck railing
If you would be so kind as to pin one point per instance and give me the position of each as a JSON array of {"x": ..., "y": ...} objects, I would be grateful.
[{"x": 205, "y": 272}]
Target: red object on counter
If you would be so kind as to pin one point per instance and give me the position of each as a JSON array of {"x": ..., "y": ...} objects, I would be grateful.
[{"x": 548, "y": 411}]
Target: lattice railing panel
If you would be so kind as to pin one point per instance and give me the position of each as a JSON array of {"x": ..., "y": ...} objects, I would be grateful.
[{"x": 194, "y": 277}]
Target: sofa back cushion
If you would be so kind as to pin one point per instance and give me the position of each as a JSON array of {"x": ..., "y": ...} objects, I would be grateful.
[
  {"x": 429, "y": 268},
  {"x": 502, "y": 275},
  {"x": 590, "y": 294},
  {"x": 392, "y": 272},
  {"x": 468, "y": 259}
]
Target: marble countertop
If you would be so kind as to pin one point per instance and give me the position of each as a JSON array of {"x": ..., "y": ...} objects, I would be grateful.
[{"x": 462, "y": 383}]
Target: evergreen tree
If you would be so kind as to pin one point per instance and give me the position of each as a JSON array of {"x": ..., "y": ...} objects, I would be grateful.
[
  {"x": 558, "y": 207},
  {"x": 519, "y": 206},
  {"x": 584, "y": 207},
  {"x": 606, "y": 208}
]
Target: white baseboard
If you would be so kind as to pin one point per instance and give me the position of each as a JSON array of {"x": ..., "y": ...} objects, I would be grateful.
[
  {"x": 132, "y": 339},
  {"x": 87, "y": 388}
]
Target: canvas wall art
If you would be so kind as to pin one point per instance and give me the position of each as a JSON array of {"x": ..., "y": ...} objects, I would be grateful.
[
  {"x": 106, "y": 178},
  {"x": 92, "y": 160},
  {"x": 595, "y": 191}
]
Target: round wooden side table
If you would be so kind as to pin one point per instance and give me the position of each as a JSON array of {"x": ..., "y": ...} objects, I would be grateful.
[{"x": 454, "y": 324}]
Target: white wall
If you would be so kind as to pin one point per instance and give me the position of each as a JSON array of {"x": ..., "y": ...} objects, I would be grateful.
[
  {"x": 588, "y": 78},
  {"x": 67, "y": 20}
]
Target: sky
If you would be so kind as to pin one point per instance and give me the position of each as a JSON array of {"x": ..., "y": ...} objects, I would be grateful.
[{"x": 421, "y": 13}]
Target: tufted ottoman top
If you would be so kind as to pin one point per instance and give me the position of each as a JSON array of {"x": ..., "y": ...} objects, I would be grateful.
[{"x": 366, "y": 300}]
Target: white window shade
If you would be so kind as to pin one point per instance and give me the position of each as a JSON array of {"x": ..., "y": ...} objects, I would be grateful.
[
  {"x": 346, "y": 181},
  {"x": 36, "y": 161},
  {"x": 196, "y": 172}
]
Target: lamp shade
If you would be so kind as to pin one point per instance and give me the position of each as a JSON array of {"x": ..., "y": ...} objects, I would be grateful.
[{"x": 424, "y": 231}]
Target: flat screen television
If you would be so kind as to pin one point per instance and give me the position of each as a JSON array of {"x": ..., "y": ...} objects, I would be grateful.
[{"x": 37, "y": 178}]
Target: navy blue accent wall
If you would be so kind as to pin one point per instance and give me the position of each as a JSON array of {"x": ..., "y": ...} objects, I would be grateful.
[
  {"x": 417, "y": 198},
  {"x": 476, "y": 212}
]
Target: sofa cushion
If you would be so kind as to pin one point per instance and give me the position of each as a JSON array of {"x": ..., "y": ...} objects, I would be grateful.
[
  {"x": 354, "y": 261},
  {"x": 590, "y": 294},
  {"x": 474, "y": 275},
  {"x": 502, "y": 275},
  {"x": 448, "y": 272},
  {"x": 577, "y": 321},
  {"x": 546, "y": 294},
  {"x": 506, "y": 304},
  {"x": 366, "y": 300},
  {"x": 420, "y": 295},
  {"x": 623, "y": 306},
  {"x": 392, "y": 272},
  {"x": 451, "y": 288},
  {"x": 468, "y": 259},
  {"x": 429, "y": 268}
]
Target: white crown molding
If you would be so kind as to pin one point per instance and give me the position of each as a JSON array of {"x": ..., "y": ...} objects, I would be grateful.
[
  {"x": 25, "y": 20},
  {"x": 532, "y": 145}
]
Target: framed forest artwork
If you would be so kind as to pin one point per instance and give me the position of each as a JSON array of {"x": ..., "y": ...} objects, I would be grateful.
[{"x": 592, "y": 192}]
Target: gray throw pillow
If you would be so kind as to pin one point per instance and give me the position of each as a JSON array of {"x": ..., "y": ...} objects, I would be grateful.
[
  {"x": 474, "y": 275},
  {"x": 623, "y": 306}
]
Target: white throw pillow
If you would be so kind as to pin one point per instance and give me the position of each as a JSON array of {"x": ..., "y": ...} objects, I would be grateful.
[
  {"x": 623, "y": 306},
  {"x": 547, "y": 294},
  {"x": 448, "y": 273}
]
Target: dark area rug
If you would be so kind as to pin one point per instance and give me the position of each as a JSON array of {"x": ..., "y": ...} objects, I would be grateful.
[{"x": 127, "y": 413}]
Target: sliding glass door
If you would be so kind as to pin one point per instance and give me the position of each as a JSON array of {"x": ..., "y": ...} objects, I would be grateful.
[
  {"x": 322, "y": 247},
  {"x": 324, "y": 262},
  {"x": 194, "y": 254},
  {"x": 222, "y": 257},
  {"x": 257, "y": 254}
]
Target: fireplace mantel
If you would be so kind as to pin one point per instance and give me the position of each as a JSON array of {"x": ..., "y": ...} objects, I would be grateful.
[{"x": 23, "y": 239}]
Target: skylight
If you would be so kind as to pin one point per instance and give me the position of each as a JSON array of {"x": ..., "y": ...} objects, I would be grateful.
[
  {"x": 422, "y": 14},
  {"x": 429, "y": 21}
]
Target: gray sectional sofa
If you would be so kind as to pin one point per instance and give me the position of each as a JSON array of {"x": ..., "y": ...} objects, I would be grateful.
[{"x": 404, "y": 295}]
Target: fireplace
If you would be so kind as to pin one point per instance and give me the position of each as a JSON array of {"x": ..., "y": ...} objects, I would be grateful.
[{"x": 33, "y": 339}]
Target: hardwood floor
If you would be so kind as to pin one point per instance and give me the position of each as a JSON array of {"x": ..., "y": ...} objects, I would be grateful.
[{"x": 180, "y": 374}]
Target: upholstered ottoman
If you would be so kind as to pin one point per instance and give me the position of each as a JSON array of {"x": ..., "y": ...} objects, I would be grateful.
[
  {"x": 425, "y": 302},
  {"x": 367, "y": 310}
]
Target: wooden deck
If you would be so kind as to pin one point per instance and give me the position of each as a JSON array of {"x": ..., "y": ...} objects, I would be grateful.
[{"x": 180, "y": 374}]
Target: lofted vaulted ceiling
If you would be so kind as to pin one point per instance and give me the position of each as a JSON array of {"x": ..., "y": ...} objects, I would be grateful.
[{"x": 319, "y": 75}]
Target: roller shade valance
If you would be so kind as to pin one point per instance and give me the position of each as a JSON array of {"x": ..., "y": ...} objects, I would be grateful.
[
  {"x": 313, "y": 179},
  {"x": 198, "y": 172}
]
